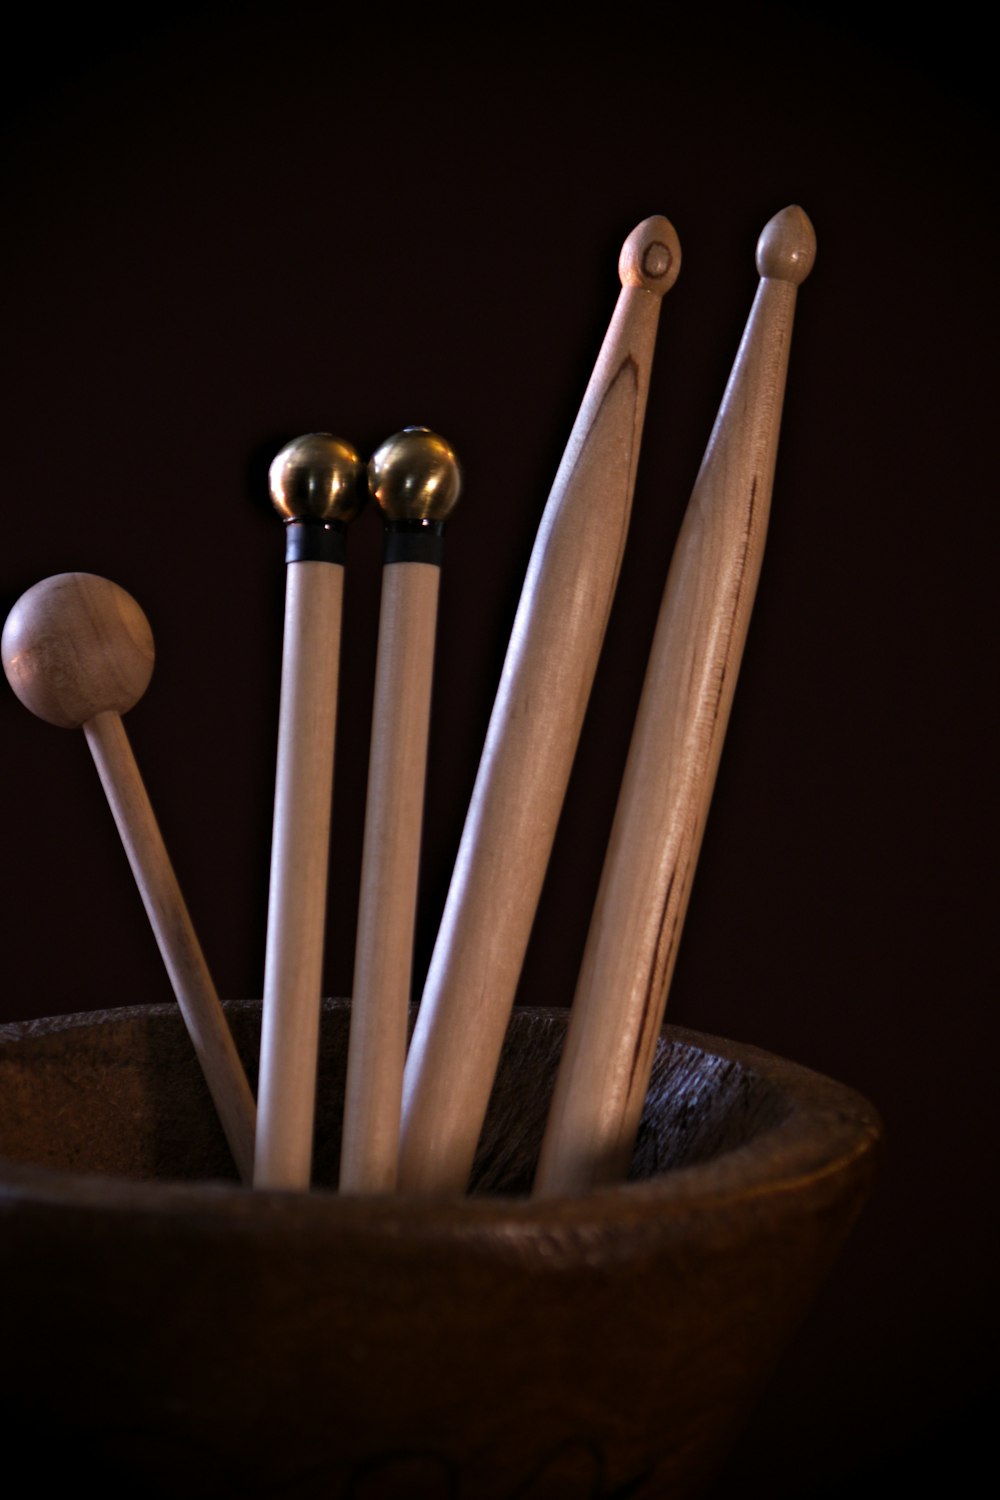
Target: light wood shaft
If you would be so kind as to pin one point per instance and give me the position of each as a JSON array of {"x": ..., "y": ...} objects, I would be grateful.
[
  {"x": 175, "y": 935},
  {"x": 389, "y": 876},
  {"x": 526, "y": 762},
  {"x": 300, "y": 842},
  {"x": 677, "y": 741}
]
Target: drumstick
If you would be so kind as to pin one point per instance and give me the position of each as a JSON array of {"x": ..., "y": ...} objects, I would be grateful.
[
  {"x": 317, "y": 484},
  {"x": 415, "y": 480},
  {"x": 695, "y": 657},
  {"x": 531, "y": 740},
  {"x": 78, "y": 651}
]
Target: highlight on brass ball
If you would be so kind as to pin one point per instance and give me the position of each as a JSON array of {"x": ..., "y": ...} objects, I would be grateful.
[
  {"x": 318, "y": 477},
  {"x": 415, "y": 476}
]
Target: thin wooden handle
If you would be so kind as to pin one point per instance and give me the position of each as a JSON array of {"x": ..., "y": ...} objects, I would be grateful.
[
  {"x": 663, "y": 805},
  {"x": 531, "y": 740},
  {"x": 175, "y": 935},
  {"x": 389, "y": 872},
  {"x": 296, "y": 917}
]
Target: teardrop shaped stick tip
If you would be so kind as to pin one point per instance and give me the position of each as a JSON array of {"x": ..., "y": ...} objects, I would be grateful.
[
  {"x": 415, "y": 476},
  {"x": 786, "y": 249},
  {"x": 651, "y": 256},
  {"x": 318, "y": 477},
  {"x": 76, "y": 645}
]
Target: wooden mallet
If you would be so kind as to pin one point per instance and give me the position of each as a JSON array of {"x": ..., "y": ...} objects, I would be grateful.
[
  {"x": 667, "y": 786},
  {"x": 415, "y": 480},
  {"x": 531, "y": 740},
  {"x": 317, "y": 486},
  {"x": 78, "y": 651}
]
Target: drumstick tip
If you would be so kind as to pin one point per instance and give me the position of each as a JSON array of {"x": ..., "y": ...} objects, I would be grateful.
[
  {"x": 651, "y": 256},
  {"x": 786, "y": 249},
  {"x": 415, "y": 476},
  {"x": 317, "y": 477}
]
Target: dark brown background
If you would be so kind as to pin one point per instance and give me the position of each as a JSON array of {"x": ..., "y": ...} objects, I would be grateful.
[{"x": 235, "y": 224}]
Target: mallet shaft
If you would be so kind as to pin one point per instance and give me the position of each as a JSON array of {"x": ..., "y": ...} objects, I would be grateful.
[
  {"x": 293, "y": 970},
  {"x": 175, "y": 934},
  {"x": 389, "y": 871}
]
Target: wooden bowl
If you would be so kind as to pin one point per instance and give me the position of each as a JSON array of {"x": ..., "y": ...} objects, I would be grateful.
[{"x": 166, "y": 1332}]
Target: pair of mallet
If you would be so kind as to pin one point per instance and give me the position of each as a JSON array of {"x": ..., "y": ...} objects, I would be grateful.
[
  {"x": 317, "y": 483},
  {"x": 522, "y": 779}
]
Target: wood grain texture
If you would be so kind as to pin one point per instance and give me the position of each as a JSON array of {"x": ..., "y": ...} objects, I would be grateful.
[
  {"x": 677, "y": 741},
  {"x": 300, "y": 844},
  {"x": 175, "y": 934},
  {"x": 389, "y": 874},
  {"x": 531, "y": 739}
]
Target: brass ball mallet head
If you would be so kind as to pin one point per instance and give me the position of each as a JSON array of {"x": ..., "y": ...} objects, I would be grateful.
[
  {"x": 75, "y": 646},
  {"x": 318, "y": 477},
  {"x": 415, "y": 476}
]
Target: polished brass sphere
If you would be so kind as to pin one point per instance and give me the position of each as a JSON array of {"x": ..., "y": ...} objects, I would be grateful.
[
  {"x": 318, "y": 478},
  {"x": 415, "y": 476}
]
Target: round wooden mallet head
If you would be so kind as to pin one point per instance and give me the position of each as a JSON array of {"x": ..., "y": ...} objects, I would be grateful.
[{"x": 75, "y": 646}]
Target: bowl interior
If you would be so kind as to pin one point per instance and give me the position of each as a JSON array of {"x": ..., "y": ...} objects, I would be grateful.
[{"x": 120, "y": 1093}]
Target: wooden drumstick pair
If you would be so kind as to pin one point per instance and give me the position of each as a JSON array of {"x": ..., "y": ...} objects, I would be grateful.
[
  {"x": 675, "y": 751},
  {"x": 663, "y": 804},
  {"x": 317, "y": 484}
]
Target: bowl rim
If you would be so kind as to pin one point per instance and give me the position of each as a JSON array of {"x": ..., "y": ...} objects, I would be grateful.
[{"x": 827, "y": 1140}]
